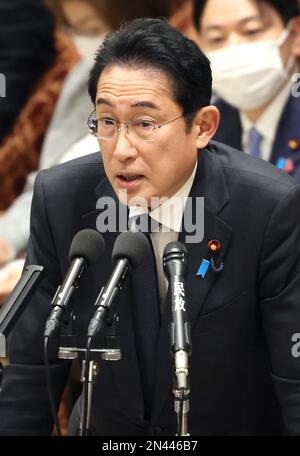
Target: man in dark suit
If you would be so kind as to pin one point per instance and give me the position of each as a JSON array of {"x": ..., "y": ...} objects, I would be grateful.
[
  {"x": 151, "y": 87},
  {"x": 254, "y": 50}
]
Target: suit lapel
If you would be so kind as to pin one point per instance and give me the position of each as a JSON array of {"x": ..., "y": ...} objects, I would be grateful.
[{"x": 197, "y": 289}]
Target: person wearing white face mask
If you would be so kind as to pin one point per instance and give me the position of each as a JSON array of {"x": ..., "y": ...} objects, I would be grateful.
[{"x": 254, "y": 50}]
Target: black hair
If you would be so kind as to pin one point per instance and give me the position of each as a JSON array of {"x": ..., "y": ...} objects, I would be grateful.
[
  {"x": 287, "y": 9},
  {"x": 152, "y": 43}
]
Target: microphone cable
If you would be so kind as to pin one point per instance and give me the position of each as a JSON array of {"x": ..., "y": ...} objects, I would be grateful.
[
  {"x": 50, "y": 388},
  {"x": 84, "y": 430}
]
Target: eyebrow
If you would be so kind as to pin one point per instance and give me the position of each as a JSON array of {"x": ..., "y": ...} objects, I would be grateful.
[
  {"x": 144, "y": 104},
  {"x": 241, "y": 22},
  {"x": 104, "y": 101},
  {"x": 137, "y": 104}
]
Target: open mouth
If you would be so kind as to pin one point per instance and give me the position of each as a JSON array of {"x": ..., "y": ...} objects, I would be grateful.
[{"x": 129, "y": 177}]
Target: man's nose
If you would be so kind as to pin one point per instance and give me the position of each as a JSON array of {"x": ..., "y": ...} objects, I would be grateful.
[{"x": 124, "y": 148}]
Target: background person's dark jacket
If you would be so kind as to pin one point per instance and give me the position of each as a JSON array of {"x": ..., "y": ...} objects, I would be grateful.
[
  {"x": 286, "y": 143},
  {"x": 26, "y": 51}
]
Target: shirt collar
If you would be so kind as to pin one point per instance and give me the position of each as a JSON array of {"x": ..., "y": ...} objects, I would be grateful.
[{"x": 169, "y": 214}]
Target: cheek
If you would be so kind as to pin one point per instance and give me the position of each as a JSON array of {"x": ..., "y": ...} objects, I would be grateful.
[
  {"x": 164, "y": 173},
  {"x": 106, "y": 157},
  {"x": 286, "y": 51},
  {"x": 168, "y": 161}
]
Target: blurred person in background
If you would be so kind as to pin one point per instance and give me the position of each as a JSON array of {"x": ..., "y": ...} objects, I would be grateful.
[
  {"x": 34, "y": 34},
  {"x": 21, "y": 147},
  {"x": 254, "y": 49},
  {"x": 27, "y": 50}
]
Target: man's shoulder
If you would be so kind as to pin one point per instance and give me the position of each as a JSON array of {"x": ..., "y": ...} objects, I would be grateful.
[
  {"x": 68, "y": 191},
  {"x": 88, "y": 169},
  {"x": 247, "y": 172},
  {"x": 84, "y": 164}
]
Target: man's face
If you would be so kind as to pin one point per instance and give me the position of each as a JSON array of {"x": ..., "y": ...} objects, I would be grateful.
[
  {"x": 158, "y": 167},
  {"x": 225, "y": 23}
]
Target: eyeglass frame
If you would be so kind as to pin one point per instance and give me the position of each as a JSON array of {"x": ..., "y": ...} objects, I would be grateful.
[{"x": 127, "y": 124}]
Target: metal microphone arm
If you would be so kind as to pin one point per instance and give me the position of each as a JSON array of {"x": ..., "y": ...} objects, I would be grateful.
[
  {"x": 17, "y": 301},
  {"x": 63, "y": 294},
  {"x": 106, "y": 298}
]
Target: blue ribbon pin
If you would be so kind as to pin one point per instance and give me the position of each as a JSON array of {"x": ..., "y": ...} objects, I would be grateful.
[{"x": 203, "y": 268}]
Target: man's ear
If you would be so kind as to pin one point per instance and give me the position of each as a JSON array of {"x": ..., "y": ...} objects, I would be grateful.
[
  {"x": 206, "y": 122},
  {"x": 296, "y": 33}
]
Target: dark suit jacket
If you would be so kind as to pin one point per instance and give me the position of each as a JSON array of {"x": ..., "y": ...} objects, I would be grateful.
[
  {"x": 230, "y": 132},
  {"x": 244, "y": 379},
  {"x": 27, "y": 50}
]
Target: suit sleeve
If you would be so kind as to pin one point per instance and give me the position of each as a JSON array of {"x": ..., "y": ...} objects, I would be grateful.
[
  {"x": 280, "y": 304},
  {"x": 24, "y": 404}
]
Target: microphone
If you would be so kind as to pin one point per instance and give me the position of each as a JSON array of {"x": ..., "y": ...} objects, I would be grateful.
[
  {"x": 130, "y": 249},
  {"x": 175, "y": 269},
  {"x": 86, "y": 248}
]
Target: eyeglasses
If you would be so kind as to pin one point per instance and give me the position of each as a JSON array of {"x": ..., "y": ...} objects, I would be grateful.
[{"x": 138, "y": 130}]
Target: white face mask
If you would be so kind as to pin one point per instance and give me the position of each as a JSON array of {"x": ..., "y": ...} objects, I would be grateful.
[
  {"x": 247, "y": 76},
  {"x": 87, "y": 46}
]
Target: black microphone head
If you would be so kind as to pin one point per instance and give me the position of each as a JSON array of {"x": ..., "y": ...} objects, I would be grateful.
[
  {"x": 132, "y": 245},
  {"x": 88, "y": 244},
  {"x": 175, "y": 259}
]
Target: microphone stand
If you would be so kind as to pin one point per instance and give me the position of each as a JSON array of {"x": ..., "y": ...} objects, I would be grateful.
[
  {"x": 181, "y": 392},
  {"x": 181, "y": 345},
  {"x": 90, "y": 370},
  {"x": 181, "y": 389},
  {"x": 89, "y": 376}
]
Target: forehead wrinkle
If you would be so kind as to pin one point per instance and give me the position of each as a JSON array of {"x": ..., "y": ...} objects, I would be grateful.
[
  {"x": 140, "y": 98},
  {"x": 114, "y": 87},
  {"x": 135, "y": 104}
]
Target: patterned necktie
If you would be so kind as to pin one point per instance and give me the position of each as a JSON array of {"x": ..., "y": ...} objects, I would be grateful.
[
  {"x": 146, "y": 314},
  {"x": 255, "y": 139}
]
